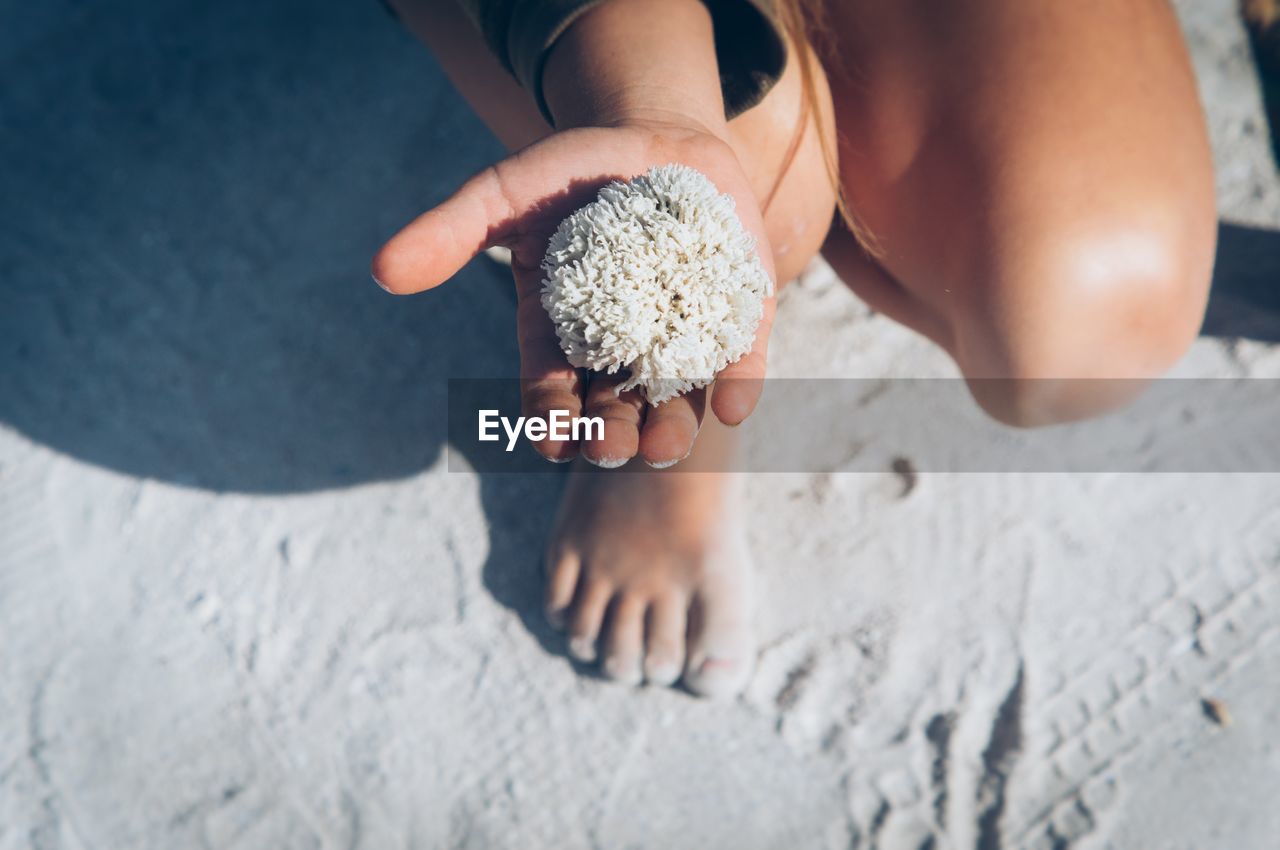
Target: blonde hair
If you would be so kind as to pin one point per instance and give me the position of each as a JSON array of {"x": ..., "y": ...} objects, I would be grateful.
[{"x": 805, "y": 25}]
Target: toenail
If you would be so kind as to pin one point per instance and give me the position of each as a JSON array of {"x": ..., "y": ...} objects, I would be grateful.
[
  {"x": 716, "y": 663},
  {"x": 582, "y": 648},
  {"x": 616, "y": 669},
  {"x": 663, "y": 673}
]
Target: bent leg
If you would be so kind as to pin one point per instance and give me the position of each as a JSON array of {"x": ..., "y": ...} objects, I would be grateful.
[{"x": 1038, "y": 182}]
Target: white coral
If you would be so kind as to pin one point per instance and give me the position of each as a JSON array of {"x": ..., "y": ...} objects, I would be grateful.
[{"x": 656, "y": 276}]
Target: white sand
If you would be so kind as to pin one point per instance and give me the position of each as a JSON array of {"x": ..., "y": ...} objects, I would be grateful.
[{"x": 243, "y": 605}]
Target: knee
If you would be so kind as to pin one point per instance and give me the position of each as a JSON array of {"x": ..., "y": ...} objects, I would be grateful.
[
  {"x": 784, "y": 143},
  {"x": 1068, "y": 328}
]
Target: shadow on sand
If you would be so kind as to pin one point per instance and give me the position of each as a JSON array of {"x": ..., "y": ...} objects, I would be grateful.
[{"x": 187, "y": 211}]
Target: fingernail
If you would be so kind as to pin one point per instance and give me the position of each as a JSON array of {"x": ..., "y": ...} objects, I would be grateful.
[
  {"x": 663, "y": 464},
  {"x": 555, "y": 616},
  {"x": 607, "y": 462},
  {"x": 381, "y": 285}
]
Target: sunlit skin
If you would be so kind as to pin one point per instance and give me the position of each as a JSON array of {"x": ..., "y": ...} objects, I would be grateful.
[{"x": 1037, "y": 181}]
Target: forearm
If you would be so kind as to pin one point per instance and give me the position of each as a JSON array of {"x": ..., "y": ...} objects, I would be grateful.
[{"x": 628, "y": 60}]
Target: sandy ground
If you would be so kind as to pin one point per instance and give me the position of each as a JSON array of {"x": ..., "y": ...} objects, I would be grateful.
[{"x": 242, "y": 603}]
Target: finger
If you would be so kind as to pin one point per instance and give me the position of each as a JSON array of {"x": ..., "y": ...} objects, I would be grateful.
[
  {"x": 739, "y": 385},
  {"x": 623, "y": 415},
  {"x": 496, "y": 206},
  {"x": 547, "y": 380},
  {"x": 434, "y": 246},
  {"x": 670, "y": 428}
]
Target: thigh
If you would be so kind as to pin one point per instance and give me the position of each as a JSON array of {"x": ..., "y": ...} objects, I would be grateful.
[{"x": 1006, "y": 155}]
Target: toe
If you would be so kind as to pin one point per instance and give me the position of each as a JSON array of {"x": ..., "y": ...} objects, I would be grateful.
[
  {"x": 721, "y": 651},
  {"x": 562, "y": 579},
  {"x": 587, "y": 615},
  {"x": 624, "y": 639},
  {"x": 664, "y": 655}
]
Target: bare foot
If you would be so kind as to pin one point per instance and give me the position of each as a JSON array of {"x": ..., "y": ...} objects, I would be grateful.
[{"x": 649, "y": 572}]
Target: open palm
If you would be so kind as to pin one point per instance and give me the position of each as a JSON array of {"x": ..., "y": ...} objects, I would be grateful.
[{"x": 518, "y": 203}]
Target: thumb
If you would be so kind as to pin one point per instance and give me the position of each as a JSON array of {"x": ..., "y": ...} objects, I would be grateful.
[
  {"x": 546, "y": 181},
  {"x": 434, "y": 246}
]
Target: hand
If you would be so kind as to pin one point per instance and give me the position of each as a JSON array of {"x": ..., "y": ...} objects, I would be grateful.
[{"x": 518, "y": 203}]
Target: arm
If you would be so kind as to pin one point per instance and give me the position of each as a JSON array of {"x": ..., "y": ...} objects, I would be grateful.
[
  {"x": 630, "y": 84},
  {"x": 649, "y": 61}
]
